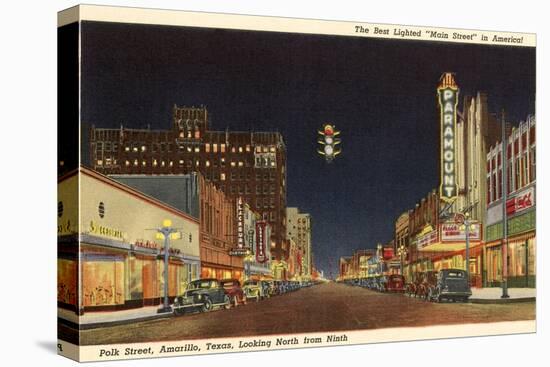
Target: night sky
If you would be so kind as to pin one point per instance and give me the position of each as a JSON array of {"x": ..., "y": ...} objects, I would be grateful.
[{"x": 380, "y": 93}]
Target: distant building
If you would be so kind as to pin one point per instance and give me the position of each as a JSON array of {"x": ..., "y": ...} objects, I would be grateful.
[{"x": 299, "y": 230}]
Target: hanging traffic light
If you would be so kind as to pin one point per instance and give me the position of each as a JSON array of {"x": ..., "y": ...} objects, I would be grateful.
[{"x": 328, "y": 142}]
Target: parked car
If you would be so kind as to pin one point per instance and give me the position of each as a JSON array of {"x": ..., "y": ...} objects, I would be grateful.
[
  {"x": 254, "y": 290},
  {"x": 429, "y": 280},
  {"x": 395, "y": 283},
  {"x": 412, "y": 287},
  {"x": 266, "y": 288},
  {"x": 202, "y": 295},
  {"x": 451, "y": 284},
  {"x": 233, "y": 289},
  {"x": 278, "y": 287}
]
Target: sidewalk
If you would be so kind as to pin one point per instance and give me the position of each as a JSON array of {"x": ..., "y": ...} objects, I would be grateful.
[
  {"x": 92, "y": 320},
  {"x": 492, "y": 295}
]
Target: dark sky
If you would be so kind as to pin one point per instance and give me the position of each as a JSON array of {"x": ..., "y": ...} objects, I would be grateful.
[{"x": 380, "y": 93}]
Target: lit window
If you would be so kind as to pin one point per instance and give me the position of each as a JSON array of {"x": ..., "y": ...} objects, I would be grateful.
[
  {"x": 127, "y": 163},
  {"x": 222, "y": 176},
  {"x": 162, "y": 164},
  {"x": 272, "y": 149},
  {"x": 171, "y": 163},
  {"x": 233, "y": 149},
  {"x": 197, "y": 149},
  {"x": 189, "y": 134},
  {"x": 215, "y": 148},
  {"x": 135, "y": 149},
  {"x": 197, "y": 163},
  {"x": 189, "y": 149},
  {"x": 182, "y": 135},
  {"x": 154, "y": 163},
  {"x": 265, "y": 149},
  {"x": 207, "y": 148},
  {"x": 247, "y": 147},
  {"x": 240, "y": 149},
  {"x": 197, "y": 134},
  {"x": 181, "y": 162},
  {"x": 143, "y": 148},
  {"x": 272, "y": 163},
  {"x": 135, "y": 162},
  {"x": 143, "y": 163},
  {"x": 232, "y": 164},
  {"x": 222, "y": 148},
  {"x": 240, "y": 163},
  {"x": 207, "y": 163},
  {"x": 127, "y": 149},
  {"x": 258, "y": 149},
  {"x": 100, "y": 162}
]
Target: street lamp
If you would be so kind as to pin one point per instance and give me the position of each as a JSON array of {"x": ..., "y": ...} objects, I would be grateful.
[
  {"x": 247, "y": 260},
  {"x": 402, "y": 252},
  {"x": 166, "y": 232},
  {"x": 504, "y": 213},
  {"x": 467, "y": 225}
]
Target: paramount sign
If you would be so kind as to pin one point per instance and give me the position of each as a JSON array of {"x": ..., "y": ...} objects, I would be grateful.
[{"x": 448, "y": 99}]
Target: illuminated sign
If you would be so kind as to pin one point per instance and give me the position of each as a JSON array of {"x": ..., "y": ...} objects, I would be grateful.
[
  {"x": 105, "y": 231},
  {"x": 448, "y": 100},
  {"x": 523, "y": 200},
  {"x": 426, "y": 239},
  {"x": 453, "y": 232},
  {"x": 261, "y": 255},
  {"x": 240, "y": 223}
]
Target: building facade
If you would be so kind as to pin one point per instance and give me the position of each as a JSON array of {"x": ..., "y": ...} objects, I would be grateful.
[
  {"x": 520, "y": 209},
  {"x": 114, "y": 260},
  {"x": 215, "y": 211},
  {"x": 299, "y": 230},
  {"x": 247, "y": 164}
]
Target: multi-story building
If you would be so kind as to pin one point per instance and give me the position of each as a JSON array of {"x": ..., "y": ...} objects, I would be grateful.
[
  {"x": 344, "y": 268},
  {"x": 520, "y": 209},
  {"x": 299, "y": 230},
  {"x": 247, "y": 164}
]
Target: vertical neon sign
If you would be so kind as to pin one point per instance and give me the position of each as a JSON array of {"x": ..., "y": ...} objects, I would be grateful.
[{"x": 448, "y": 101}]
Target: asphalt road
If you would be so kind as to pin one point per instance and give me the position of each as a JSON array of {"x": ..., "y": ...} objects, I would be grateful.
[{"x": 321, "y": 308}]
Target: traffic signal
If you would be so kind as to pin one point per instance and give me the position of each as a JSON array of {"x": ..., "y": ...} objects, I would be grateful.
[{"x": 329, "y": 142}]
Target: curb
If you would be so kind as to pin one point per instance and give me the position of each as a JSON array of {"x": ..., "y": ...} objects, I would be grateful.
[
  {"x": 96, "y": 325},
  {"x": 502, "y": 301}
]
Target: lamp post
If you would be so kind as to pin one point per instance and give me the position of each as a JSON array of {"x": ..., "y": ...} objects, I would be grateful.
[
  {"x": 467, "y": 226},
  {"x": 402, "y": 252},
  {"x": 504, "y": 213},
  {"x": 165, "y": 232}
]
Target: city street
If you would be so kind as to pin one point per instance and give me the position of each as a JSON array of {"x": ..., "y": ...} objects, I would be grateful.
[{"x": 321, "y": 308}]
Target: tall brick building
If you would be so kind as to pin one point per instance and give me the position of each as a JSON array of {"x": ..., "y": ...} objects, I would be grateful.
[{"x": 247, "y": 164}]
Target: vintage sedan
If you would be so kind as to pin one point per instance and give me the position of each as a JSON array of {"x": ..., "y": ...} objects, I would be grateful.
[
  {"x": 429, "y": 280},
  {"x": 395, "y": 283},
  {"x": 233, "y": 289},
  {"x": 411, "y": 289},
  {"x": 202, "y": 295},
  {"x": 254, "y": 290},
  {"x": 451, "y": 284}
]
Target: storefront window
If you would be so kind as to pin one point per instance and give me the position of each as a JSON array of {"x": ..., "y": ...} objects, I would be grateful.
[
  {"x": 66, "y": 281},
  {"x": 103, "y": 282}
]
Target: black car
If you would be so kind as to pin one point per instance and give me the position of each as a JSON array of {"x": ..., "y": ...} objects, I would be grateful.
[
  {"x": 451, "y": 284},
  {"x": 202, "y": 295}
]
